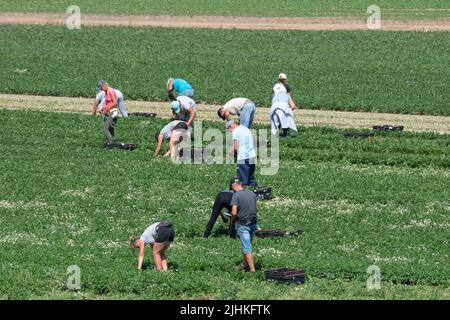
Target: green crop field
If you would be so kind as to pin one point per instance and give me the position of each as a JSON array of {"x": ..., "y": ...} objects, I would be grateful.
[
  {"x": 65, "y": 201},
  {"x": 391, "y": 9},
  {"x": 397, "y": 72}
]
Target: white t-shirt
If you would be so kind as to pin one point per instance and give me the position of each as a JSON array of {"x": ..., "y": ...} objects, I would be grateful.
[
  {"x": 186, "y": 103},
  {"x": 279, "y": 87},
  {"x": 169, "y": 128},
  {"x": 244, "y": 137},
  {"x": 234, "y": 106}
]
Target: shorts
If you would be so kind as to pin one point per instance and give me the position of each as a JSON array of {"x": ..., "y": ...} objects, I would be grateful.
[
  {"x": 181, "y": 125},
  {"x": 245, "y": 234},
  {"x": 164, "y": 234}
]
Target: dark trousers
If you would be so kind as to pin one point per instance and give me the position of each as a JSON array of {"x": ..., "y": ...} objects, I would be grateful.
[
  {"x": 108, "y": 128},
  {"x": 223, "y": 200},
  {"x": 246, "y": 172}
]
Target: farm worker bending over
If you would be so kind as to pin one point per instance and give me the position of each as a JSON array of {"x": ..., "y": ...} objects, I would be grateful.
[
  {"x": 281, "y": 114},
  {"x": 223, "y": 201},
  {"x": 174, "y": 132},
  {"x": 282, "y": 86},
  {"x": 159, "y": 235},
  {"x": 242, "y": 107},
  {"x": 244, "y": 218},
  {"x": 179, "y": 86},
  {"x": 109, "y": 110},
  {"x": 246, "y": 155},
  {"x": 184, "y": 109}
]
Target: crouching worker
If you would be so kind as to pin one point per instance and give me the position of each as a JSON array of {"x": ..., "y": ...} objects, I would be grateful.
[
  {"x": 244, "y": 218},
  {"x": 184, "y": 109},
  {"x": 243, "y": 107},
  {"x": 179, "y": 87},
  {"x": 222, "y": 202},
  {"x": 159, "y": 235},
  {"x": 174, "y": 132}
]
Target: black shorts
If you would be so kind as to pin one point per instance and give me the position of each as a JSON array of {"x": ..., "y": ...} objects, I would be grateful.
[
  {"x": 181, "y": 125},
  {"x": 164, "y": 234}
]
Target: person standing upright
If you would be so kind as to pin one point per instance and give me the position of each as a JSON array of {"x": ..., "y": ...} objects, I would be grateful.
[
  {"x": 110, "y": 111},
  {"x": 243, "y": 148},
  {"x": 283, "y": 86},
  {"x": 244, "y": 218}
]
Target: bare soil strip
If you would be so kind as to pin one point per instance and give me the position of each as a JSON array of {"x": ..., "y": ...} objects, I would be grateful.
[
  {"x": 303, "y": 117},
  {"x": 225, "y": 22}
]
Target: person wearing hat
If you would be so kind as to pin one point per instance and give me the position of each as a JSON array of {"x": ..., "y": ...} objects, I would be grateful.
[
  {"x": 184, "y": 109},
  {"x": 109, "y": 110},
  {"x": 282, "y": 86},
  {"x": 179, "y": 86},
  {"x": 159, "y": 235},
  {"x": 243, "y": 148},
  {"x": 222, "y": 202},
  {"x": 174, "y": 132},
  {"x": 244, "y": 219},
  {"x": 242, "y": 107}
]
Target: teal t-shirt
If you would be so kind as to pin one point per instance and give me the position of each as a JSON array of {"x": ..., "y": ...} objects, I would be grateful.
[{"x": 179, "y": 85}]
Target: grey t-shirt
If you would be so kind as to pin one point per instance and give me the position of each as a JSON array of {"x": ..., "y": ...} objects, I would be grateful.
[
  {"x": 168, "y": 129},
  {"x": 149, "y": 234},
  {"x": 245, "y": 200}
]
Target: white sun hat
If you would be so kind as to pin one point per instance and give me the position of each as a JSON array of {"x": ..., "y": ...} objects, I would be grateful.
[{"x": 282, "y": 76}]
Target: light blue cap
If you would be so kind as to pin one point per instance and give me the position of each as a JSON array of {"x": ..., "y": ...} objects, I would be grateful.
[
  {"x": 176, "y": 106},
  {"x": 100, "y": 83}
]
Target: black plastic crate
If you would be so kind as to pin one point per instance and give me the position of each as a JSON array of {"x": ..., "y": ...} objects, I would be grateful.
[
  {"x": 143, "y": 114},
  {"x": 388, "y": 127},
  {"x": 286, "y": 275},
  {"x": 263, "y": 193},
  {"x": 123, "y": 146},
  {"x": 271, "y": 233},
  {"x": 196, "y": 153}
]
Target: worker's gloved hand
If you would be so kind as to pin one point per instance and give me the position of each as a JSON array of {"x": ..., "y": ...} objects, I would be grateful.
[{"x": 232, "y": 232}]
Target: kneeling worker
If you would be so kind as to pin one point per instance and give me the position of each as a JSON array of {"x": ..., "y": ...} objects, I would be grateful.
[
  {"x": 160, "y": 235},
  {"x": 174, "y": 132}
]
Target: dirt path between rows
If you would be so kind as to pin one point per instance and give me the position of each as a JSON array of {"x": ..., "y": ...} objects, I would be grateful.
[
  {"x": 257, "y": 23},
  {"x": 303, "y": 117}
]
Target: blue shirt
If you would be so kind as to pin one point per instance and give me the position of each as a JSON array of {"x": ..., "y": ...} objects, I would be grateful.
[
  {"x": 179, "y": 85},
  {"x": 244, "y": 138}
]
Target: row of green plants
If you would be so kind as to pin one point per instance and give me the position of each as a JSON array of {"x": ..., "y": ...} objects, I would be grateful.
[
  {"x": 65, "y": 201},
  {"x": 291, "y": 8}
]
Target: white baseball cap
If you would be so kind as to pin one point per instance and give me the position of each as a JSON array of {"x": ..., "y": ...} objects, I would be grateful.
[{"x": 282, "y": 76}]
